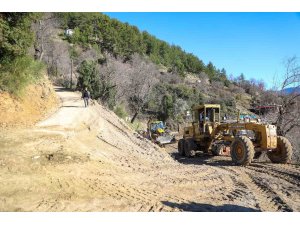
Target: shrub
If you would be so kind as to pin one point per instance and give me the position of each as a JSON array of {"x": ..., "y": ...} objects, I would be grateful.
[
  {"x": 136, "y": 125},
  {"x": 16, "y": 35},
  {"x": 16, "y": 75},
  {"x": 238, "y": 97},
  {"x": 120, "y": 111},
  {"x": 98, "y": 83},
  {"x": 227, "y": 83}
]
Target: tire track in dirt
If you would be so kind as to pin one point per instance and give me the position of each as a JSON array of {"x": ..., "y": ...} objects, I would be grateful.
[
  {"x": 272, "y": 195},
  {"x": 291, "y": 178},
  {"x": 282, "y": 184},
  {"x": 269, "y": 195},
  {"x": 243, "y": 181},
  {"x": 142, "y": 199}
]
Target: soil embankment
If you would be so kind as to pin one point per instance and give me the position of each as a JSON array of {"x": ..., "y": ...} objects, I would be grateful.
[{"x": 37, "y": 101}]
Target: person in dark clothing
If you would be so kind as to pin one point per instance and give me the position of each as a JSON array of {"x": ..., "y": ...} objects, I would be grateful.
[{"x": 86, "y": 96}]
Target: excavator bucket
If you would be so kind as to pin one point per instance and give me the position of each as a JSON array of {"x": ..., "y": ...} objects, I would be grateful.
[{"x": 167, "y": 139}]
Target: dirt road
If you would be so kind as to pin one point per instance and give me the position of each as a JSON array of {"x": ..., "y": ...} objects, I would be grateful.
[{"x": 86, "y": 159}]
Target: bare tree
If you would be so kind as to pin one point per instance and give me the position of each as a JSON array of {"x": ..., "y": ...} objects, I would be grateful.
[
  {"x": 51, "y": 49},
  {"x": 143, "y": 76},
  {"x": 288, "y": 116},
  {"x": 121, "y": 73},
  {"x": 180, "y": 108},
  {"x": 107, "y": 73},
  {"x": 45, "y": 29}
]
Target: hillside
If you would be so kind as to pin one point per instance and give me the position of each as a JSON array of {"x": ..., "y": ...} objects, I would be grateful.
[
  {"x": 87, "y": 159},
  {"x": 102, "y": 51},
  {"x": 38, "y": 101}
]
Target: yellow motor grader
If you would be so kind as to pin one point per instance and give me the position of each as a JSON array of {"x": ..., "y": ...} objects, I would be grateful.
[{"x": 242, "y": 138}]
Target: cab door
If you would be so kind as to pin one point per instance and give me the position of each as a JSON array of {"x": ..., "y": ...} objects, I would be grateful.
[
  {"x": 198, "y": 124},
  {"x": 196, "y": 129}
]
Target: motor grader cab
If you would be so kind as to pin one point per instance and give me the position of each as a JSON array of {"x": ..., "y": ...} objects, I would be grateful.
[
  {"x": 243, "y": 138},
  {"x": 206, "y": 118}
]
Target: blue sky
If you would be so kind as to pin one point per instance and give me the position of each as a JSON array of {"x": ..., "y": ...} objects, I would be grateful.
[{"x": 255, "y": 44}]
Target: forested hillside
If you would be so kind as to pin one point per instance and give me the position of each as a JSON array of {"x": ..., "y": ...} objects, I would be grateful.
[
  {"x": 123, "y": 40},
  {"x": 178, "y": 79},
  {"x": 128, "y": 70}
]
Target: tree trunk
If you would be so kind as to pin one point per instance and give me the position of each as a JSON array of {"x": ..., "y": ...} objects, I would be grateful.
[
  {"x": 134, "y": 116},
  {"x": 42, "y": 54},
  {"x": 279, "y": 123}
]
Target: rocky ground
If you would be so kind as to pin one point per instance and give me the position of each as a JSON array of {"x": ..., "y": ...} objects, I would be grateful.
[{"x": 87, "y": 159}]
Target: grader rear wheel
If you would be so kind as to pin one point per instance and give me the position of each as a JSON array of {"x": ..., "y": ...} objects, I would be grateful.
[
  {"x": 181, "y": 147},
  {"x": 242, "y": 151},
  {"x": 283, "y": 153}
]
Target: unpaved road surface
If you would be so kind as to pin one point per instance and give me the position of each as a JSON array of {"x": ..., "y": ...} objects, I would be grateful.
[{"x": 86, "y": 159}]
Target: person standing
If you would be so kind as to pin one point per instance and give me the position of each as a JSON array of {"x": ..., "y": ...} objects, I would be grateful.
[{"x": 86, "y": 96}]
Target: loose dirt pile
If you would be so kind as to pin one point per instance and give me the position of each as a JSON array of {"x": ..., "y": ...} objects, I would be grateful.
[{"x": 87, "y": 159}]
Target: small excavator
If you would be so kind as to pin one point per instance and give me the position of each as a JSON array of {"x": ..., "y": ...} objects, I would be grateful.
[{"x": 158, "y": 133}]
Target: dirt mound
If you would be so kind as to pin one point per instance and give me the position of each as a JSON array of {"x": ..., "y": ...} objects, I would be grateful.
[{"x": 37, "y": 102}]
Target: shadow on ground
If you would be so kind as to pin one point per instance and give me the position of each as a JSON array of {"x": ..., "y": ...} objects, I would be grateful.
[
  {"x": 201, "y": 159},
  {"x": 73, "y": 106},
  {"x": 211, "y": 160},
  {"x": 198, "y": 207},
  {"x": 61, "y": 89}
]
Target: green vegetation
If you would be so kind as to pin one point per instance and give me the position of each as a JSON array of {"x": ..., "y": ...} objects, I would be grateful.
[
  {"x": 16, "y": 75},
  {"x": 168, "y": 100},
  {"x": 123, "y": 40},
  {"x": 16, "y": 36},
  {"x": 136, "y": 125},
  {"x": 98, "y": 32},
  {"x": 120, "y": 111},
  {"x": 102, "y": 89},
  {"x": 17, "y": 69},
  {"x": 171, "y": 101}
]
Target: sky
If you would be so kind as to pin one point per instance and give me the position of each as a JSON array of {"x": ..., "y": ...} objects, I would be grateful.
[{"x": 255, "y": 44}]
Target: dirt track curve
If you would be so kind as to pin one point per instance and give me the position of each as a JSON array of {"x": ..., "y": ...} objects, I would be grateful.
[{"x": 86, "y": 159}]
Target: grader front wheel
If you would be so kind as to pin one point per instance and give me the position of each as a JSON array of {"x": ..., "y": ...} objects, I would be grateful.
[
  {"x": 242, "y": 151},
  {"x": 283, "y": 153}
]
